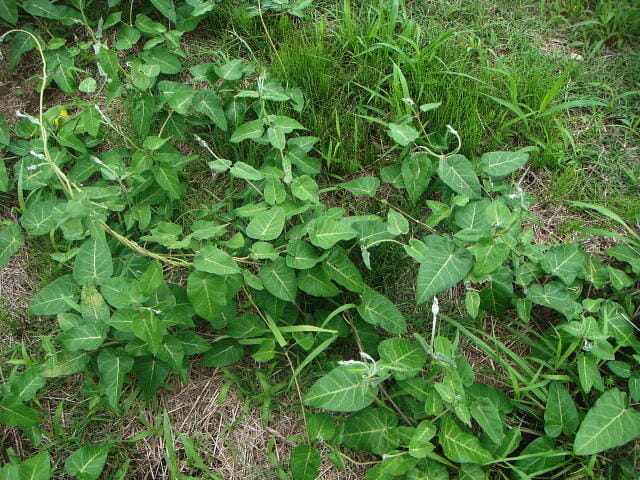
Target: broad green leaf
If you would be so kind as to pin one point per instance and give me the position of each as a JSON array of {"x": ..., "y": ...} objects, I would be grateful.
[
  {"x": 416, "y": 171},
  {"x": 9, "y": 13},
  {"x": 320, "y": 426},
  {"x": 171, "y": 352},
  {"x": 267, "y": 225},
  {"x": 151, "y": 279},
  {"x": 305, "y": 462},
  {"x": 473, "y": 216},
  {"x": 213, "y": 260},
  {"x": 222, "y": 354},
  {"x": 560, "y": 414},
  {"x": 489, "y": 418},
  {"x": 396, "y": 223},
  {"x": 166, "y": 8},
  {"x": 442, "y": 267},
  {"x": 490, "y": 255},
  {"x": 87, "y": 463},
  {"x": 457, "y": 172},
  {"x": 556, "y": 296},
  {"x": 564, "y": 261},
  {"x": 608, "y": 424},
  {"x": 41, "y": 217},
  {"x": 113, "y": 365},
  {"x": 65, "y": 363},
  {"x": 11, "y": 240},
  {"x": 362, "y": 186},
  {"x": 167, "y": 178},
  {"x": 279, "y": 280},
  {"x": 305, "y": 188},
  {"x": 371, "y": 430},
  {"x": 274, "y": 192},
  {"x": 403, "y": 135},
  {"x": 14, "y": 413},
  {"x": 245, "y": 171},
  {"x": 302, "y": 255},
  {"x": 500, "y": 164},
  {"x": 4, "y": 177},
  {"x": 142, "y": 114},
  {"x": 460, "y": 446},
  {"x": 87, "y": 336},
  {"x": 167, "y": 62},
  {"x": 207, "y": 293},
  {"x": 325, "y": 232},
  {"x": 207, "y": 102},
  {"x": 37, "y": 467},
  {"x": 341, "y": 390},
  {"x": 588, "y": 373},
  {"x": 342, "y": 270},
  {"x": 626, "y": 254},
  {"x": 28, "y": 383},
  {"x": 151, "y": 373},
  {"x": 122, "y": 292},
  {"x": 403, "y": 358},
  {"x": 148, "y": 328},
  {"x": 250, "y": 130},
  {"x": 317, "y": 282},
  {"x": 420, "y": 444},
  {"x": 377, "y": 309},
  {"x": 93, "y": 264},
  {"x": 43, "y": 8},
  {"x": 57, "y": 297},
  {"x": 234, "y": 70}
]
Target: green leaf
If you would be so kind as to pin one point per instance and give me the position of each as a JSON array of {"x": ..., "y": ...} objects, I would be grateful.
[
  {"x": 403, "y": 358},
  {"x": 55, "y": 298},
  {"x": 122, "y": 292},
  {"x": 222, "y": 354},
  {"x": 113, "y": 366},
  {"x": 302, "y": 255},
  {"x": 87, "y": 463},
  {"x": 341, "y": 390},
  {"x": 11, "y": 240},
  {"x": 234, "y": 70},
  {"x": 166, "y": 8},
  {"x": 325, "y": 232},
  {"x": 396, "y": 223},
  {"x": 27, "y": 384},
  {"x": 460, "y": 446},
  {"x": 371, "y": 430},
  {"x": 148, "y": 328},
  {"x": 245, "y": 171},
  {"x": 304, "y": 188},
  {"x": 142, "y": 114},
  {"x": 93, "y": 264},
  {"x": 362, "y": 186},
  {"x": 560, "y": 414},
  {"x": 274, "y": 192},
  {"x": 37, "y": 467},
  {"x": 267, "y": 225},
  {"x": 167, "y": 62},
  {"x": 207, "y": 102},
  {"x": 500, "y": 164},
  {"x": 9, "y": 12},
  {"x": 279, "y": 280},
  {"x": 213, "y": 260},
  {"x": 588, "y": 373},
  {"x": 167, "y": 178},
  {"x": 608, "y": 424},
  {"x": 490, "y": 255},
  {"x": 41, "y": 217},
  {"x": 171, "y": 352},
  {"x": 420, "y": 445},
  {"x": 4, "y": 176},
  {"x": 403, "y": 135},
  {"x": 564, "y": 261},
  {"x": 150, "y": 373},
  {"x": 250, "y": 130},
  {"x": 317, "y": 282},
  {"x": 305, "y": 462},
  {"x": 442, "y": 268},
  {"x": 556, "y": 296},
  {"x": 43, "y": 8},
  {"x": 457, "y": 172},
  {"x": 377, "y": 309},
  {"x": 207, "y": 293},
  {"x": 342, "y": 270},
  {"x": 489, "y": 418},
  {"x": 320, "y": 426},
  {"x": 14, "y": 414},
  {"x": 87, "y": 336},
  {"x": 416, "y": 171}
]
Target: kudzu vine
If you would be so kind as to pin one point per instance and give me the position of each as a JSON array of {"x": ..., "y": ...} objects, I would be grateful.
[{"x": 269, "y": 269}]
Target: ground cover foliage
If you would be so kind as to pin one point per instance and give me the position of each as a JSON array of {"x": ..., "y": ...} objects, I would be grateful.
[{"x": 277, "y": 263}]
